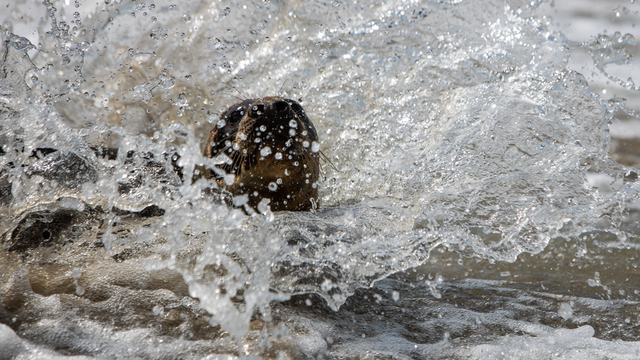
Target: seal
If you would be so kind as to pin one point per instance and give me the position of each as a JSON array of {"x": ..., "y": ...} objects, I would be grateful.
[{"x": 269, "y": 152}]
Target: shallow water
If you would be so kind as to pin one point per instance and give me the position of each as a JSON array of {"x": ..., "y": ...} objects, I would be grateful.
[{"x": 475, "y": 211}]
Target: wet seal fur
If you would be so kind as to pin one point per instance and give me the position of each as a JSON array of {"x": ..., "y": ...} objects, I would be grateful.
[{"x": 270, "y": 155}]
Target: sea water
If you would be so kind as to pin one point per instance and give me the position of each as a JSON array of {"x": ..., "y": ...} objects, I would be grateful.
[{"x": 470, "y": 209}]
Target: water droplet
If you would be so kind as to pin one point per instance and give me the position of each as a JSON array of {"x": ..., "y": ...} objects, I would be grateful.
[
  {"x": 323, "y": 53},
  {"x": 315, "y": 147},
  {"x": 263, "y": 128},
  {"x": 242, "y": 136},
  {"x": 240, "y": 200},
  {"x": 305, "y": 144},
  {"x": 628, "y": 39},
  {"x": 224, "y": 12},
  {"x": 182, "y": 100},
  {"x": 34, "y": 79},
  {"x": 335, "y": 3},
  {"x": 273, "y": 186},
  {"x": 293, "y": 124},
  {"x": 158, "y": 34},
  {"x": 278, "y": 156},
  {"x": 216, "y": 44},
  {"x": 227, "y": 65},
  {"x": 292, "y": 132},
  {"x": 186, "y": 18},
  {"x": 229, "y": 179},
  {"x": 167, "y": 82},
  {"x": 158, "y": 310},
  {"x": 152, "y": 6},
  {"x": 265, "y": 151}
]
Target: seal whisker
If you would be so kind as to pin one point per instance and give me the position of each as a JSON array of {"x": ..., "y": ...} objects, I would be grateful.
[
  {"x": 244, "y": 97},
  {"x": 326, "y": 159},
  {"x": 220, "y": 151},
  {"x": 238, "y": 160},
  {"x": 215, "y": 151},
  {"x": 226, "y": 137},
  {"x": 237, "y": 157},
  {"x": 234, "y": 96},
  {"x": 225, "y": 149},
  {"x": 282, "y": 86}
]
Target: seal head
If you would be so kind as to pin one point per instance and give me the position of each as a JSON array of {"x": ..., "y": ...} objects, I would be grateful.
[{"x": 270, "y": 154}]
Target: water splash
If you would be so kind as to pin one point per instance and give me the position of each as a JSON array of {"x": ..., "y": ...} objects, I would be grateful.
[{"x": 479, "y": 139}]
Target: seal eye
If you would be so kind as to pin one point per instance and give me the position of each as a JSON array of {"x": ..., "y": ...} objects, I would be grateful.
[{"x": 236, "y": 116}]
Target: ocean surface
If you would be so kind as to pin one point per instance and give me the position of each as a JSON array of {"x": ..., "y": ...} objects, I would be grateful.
[{"x": 482, "y": 198}]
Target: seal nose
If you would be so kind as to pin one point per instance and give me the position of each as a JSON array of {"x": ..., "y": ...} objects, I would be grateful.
[
  {"x": 278, "y": 114},
  {"x": 280, "y": 107}
]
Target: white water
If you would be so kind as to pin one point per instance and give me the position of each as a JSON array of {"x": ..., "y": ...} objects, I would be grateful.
[{"x": 453, "y": 125}]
